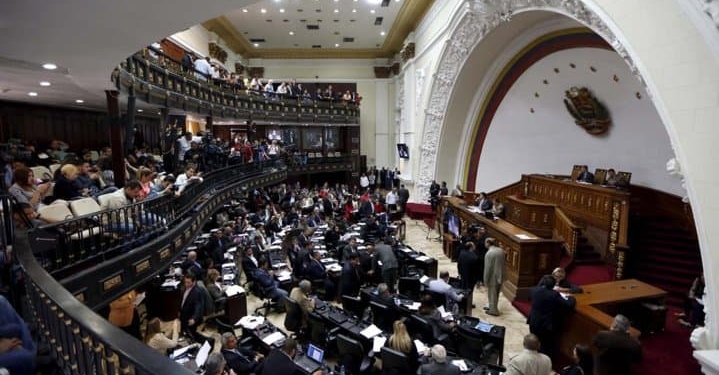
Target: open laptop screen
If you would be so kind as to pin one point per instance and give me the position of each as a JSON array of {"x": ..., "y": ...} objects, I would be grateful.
[
  {"x": 202, "y": 354},
  {"x": 315, "y": 353}
]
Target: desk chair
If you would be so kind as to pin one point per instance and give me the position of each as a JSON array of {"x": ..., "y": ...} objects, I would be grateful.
[
  {"x": 264, "y": 295},
  {"x": 421, "y": 328},
  {"x": 383, "y": 316},
  {"x": 475, "y": 348},
  {"x": 354, "y": 305},
  {"x": 353, "y": 357},
  {"x": 293, "y": 316},
  {"x": 319, "y": 332},
  {"x": 394, "y": 362},
  {"x": 409, "y": 287},
  {"x": 440, "y": 299}
]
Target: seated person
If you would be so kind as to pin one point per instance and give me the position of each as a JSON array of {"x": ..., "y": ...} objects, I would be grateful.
[
  {"x": 17, "y": 350},
  {"x": 156, "y": 339},
  {"x": 403, "y": 343},
  {"x": 497, "y": 208},
  {"x": 281, "y": 361},
  {"x": 26, "y": 190},
  {"x": 166, "y": 186},
  {"x": 266, "y": 281},
  {"x": 484, "y": 203},
  {"x": 214, "y": 286},
  {"x": 585, "y": 175},
  {"x": 441, "y": 285},
  {"x": 302, "y": 294},
  {"x": 428, "y": 310},
  {"x": 438, "y": 365},
  {"x": 383, "y": 295},
  {"x": 89, "y": 181},
  {"x": 191, "y": 263},
  {"x": 215, "y": 365},
  {"x": 529, "y": 361},
  {"x": 65, "y": 187},
  {"x": 186, "y": 178},
  {"x": 26, "y": 210},
  {"x": 315, "y": 270},
  {"x": 562, "y": 284},
  {"x": 611, "y": 179},
  {"x": 240, "y": 360},
  {"x": 249, "y": 264}
]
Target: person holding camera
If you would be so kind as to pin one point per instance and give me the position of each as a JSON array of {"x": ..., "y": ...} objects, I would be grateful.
[{"x": 26, "y": 189}]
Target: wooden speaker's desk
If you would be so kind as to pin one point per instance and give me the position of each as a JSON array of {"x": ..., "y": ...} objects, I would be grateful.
[
  {"x": 528, "y": 257},
  {"x": 598, "y": 305}
]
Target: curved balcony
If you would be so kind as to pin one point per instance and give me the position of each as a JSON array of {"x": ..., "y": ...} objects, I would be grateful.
[
  {"x": 162, "y": 85},
  {"x": 68, "y": 274}
]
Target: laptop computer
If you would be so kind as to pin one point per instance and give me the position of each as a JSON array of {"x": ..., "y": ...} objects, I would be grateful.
[{"x": 312, "y": 360}]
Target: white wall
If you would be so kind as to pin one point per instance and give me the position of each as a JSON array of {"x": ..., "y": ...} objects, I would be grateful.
[{"x": 548, "y": 141}]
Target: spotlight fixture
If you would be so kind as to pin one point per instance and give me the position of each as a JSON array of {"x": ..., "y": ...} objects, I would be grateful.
[
  {"x": 382, "y": 33},
  {"x": 244, "y": 10},
  {"x": 32, "y": 93},
  {"x": 292, "y": 33},
  {"x": 44, "y": 83},
  {"x": 49, "y": 66},
  {"x": 79, "y": 101}
]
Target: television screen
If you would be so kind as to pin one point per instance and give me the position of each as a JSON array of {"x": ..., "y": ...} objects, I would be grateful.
[
  {"x": 403, "y": 150},
  {"x": 453, "y": 224}
]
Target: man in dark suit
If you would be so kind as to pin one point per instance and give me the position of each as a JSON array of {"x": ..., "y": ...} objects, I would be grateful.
[
  {"x": 384, "y": 255},
  {"x": 484, "y": 203},
  {"x": 192, "y": 308},
  {"x": 547, "y": 313},
  {"x": 242, "y": 361},
  {"x": 403, "y": 195},
  {"x": 281, "y": 361},
  {"x": 267, "y": 282},
  {"x": 585, "y": 175},
  {"x": 468, "y": 266},
  {"x": 616, "y": 350},
  {"x": 216, "y": 247},
  {"x": 366, "y": 208},
  {"x": 249, "y": 264},
  {"x": 439, "y": 365},
  {"x": 351, "y": 281},
  {"x": 191, "y": 264},
  {"x": 316, "y": 271}
]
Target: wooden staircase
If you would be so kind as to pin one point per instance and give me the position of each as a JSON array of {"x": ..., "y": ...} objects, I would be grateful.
[{"x": 586, "y": 253}]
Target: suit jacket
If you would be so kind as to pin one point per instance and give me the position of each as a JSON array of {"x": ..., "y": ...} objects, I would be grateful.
[
  {"x": 365, "y": 209},
  {"x": 547, "y": 310},
  {"x": 385, "y": 254},
  {"x": 586, "y": 177},
  {"x": 403, "y": 195},
  {"x": 616, "y": 351},
  {"x": 249, "y": 267},
  {"x": 193, "y": 308},
  {"x": 467, "y": 267},
  {"x": 439, "y": 369},
  {"x": 315, "y": 270},
  {"x": 240, "y": 360},
  {"x": 494, "y": 266},
  {"x": 350, "y": 280},
  {"x": 529, "y": 362},
  {"x": 279, "y": 363}
]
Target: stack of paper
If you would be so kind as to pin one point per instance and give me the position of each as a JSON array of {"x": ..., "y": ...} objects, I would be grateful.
[
  {"x": 334, "y": 268},
  {"x": 443, "y": 313},
  {"x": 421, "y": 347},
  {"x": 422, "y": 258},
  {"x": 234, "y": 289},
  {"x": 273, "y": 337},
  {"x": 170, "y": 283},
  {"x": 250, "y": 322},
  {"x": 460, "y": 363},
  {"x": 371, "y": 331},
  {"x": 284, "y": 276},
  {"x": 378, "y": 343}
]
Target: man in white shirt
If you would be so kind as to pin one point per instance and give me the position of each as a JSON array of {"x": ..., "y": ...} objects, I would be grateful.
[
  {"x": 184, "y": 144},
  {"x": 203, "y": 69},
  {"x": 391, "y": 200},
  {"x": 183, "y": 179}
]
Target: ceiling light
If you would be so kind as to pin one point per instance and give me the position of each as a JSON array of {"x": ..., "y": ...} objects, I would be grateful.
[
  {"x": 159, "y": 113},
  {"x": 337, "y": 10},
  {"x": 44, "y": 83},
  {"x": 32, "y": 93},
  {"x": 292, "y": 33},
  {"x": 282, "y": 10},
  {"x": 372, "y": 11},
  {"x": 374, "y": 2},
  {"x": 244, "y": 10},
  {"x": 381, "y": 33},
  {"x": 263, "y": 10},
  {"x": 256, "y": 44},
  {"x": 49, "y": 66},
  {"x": 337, "y": 44},
  {"x": 139, "y": 110},
  {"x": 79, "y": 101},
  {"x": 354, "y": 10}
]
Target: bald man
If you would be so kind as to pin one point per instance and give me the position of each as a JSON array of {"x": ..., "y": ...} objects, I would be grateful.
[{"x": 530, "y": 361}]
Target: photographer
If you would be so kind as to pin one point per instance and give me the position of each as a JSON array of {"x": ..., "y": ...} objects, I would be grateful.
[{"x": 434, "y": 190}]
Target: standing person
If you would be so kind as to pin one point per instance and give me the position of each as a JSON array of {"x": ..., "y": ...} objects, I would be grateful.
[
  {"x": 467, "y": 266},
  {"x": 123, "y": 314},
  {"x": 390, "y": 266},
  {"x": 547, "y": 313},
  {"x": 616, "y": 350},
  {"x": 391, "y": 200},
  {"x": 403, "y": 195},
  {"x": 192, "y": 307},
  {"x": 493, "y": 274},
  {"x": 530, "y": 361}
]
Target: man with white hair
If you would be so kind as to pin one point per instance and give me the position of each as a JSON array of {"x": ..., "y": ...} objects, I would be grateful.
[
  {"x": 530, "y": 361},
  {"x": 616, "y": 350},
  {"x": 439, "y": 365}
]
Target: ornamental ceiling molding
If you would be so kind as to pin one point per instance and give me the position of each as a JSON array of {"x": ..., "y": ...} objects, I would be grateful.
[{"x": 479, "y": 18}]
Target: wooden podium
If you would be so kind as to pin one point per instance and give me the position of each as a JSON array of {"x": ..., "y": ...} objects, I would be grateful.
[{"x": 528, "y": 257}]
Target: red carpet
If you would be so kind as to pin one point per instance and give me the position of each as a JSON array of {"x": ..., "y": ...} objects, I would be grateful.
[{"x": 666, "y": 352}]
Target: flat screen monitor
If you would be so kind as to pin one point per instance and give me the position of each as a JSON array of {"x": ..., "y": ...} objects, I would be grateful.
[
  {"x": 403, "y": 150},
  {"x": 453, "y": 224}
]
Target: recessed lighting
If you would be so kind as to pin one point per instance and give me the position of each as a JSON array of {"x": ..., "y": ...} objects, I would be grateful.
[
  {"x": 282, "y": 10},
  {"x": 244, "y": 11},
  {"x": 159, "y": 113},
  {"x": 382, "y": 33},
  {"x": 256, "y": 44},
  {"x": 263, "y": 10},
  {"x": 337, "y": 10},
  {"x": 372, "y": 11},
  {"x": 49, "y": 66},
  {"x": 337, "y": 44},
  {"x": 354, "y": 10},
  {"x": 79, "y": 101},
  {"x": 292, "y": 33},
  {"x": 139, "y": 110},
  {"x": 44, "y": 83},
  {"x": 32, "y": 93}
]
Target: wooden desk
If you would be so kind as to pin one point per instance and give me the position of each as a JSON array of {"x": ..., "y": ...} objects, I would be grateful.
[
  {"x": 528, "y": 257},
  {"x": 534, "y": 216},
  {"x": 598, "y": 305}
]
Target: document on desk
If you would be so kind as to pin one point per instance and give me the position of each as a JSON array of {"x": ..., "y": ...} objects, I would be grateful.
[
  {"x": 461, "y": 364},
  {"x": 284, "y": 276},
  {"x": 424, "y": 279},
  {"x": 334, "y": 268},
  {"x": 250, "y": 322},
  {"x": 233, "y": 290},
  {"x": 371, "y": 331},
  {"x": 378, "y": 343},
  {"x": 414, "y": 306},
  {"x": 179, "y": 352},
  {"x": 421, "y": 347},
  {"x": 422, "y": 258},
  {"x": 444, "y": 314},
  {"x": 170, "y": 283},
  {"x": 524, "y": 237},
  {"x": 273, "y": 337}
]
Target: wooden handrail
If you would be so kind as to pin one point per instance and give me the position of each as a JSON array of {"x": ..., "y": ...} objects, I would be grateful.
[{"x": 565, "y": 230}]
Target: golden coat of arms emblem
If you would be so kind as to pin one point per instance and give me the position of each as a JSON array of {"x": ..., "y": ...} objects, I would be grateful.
[{"x": 587, "y": 111}]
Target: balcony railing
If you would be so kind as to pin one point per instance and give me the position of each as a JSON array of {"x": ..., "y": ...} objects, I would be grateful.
[
  {"x": 163, "y": 85},
  {"x": 84, "y": 342}
]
